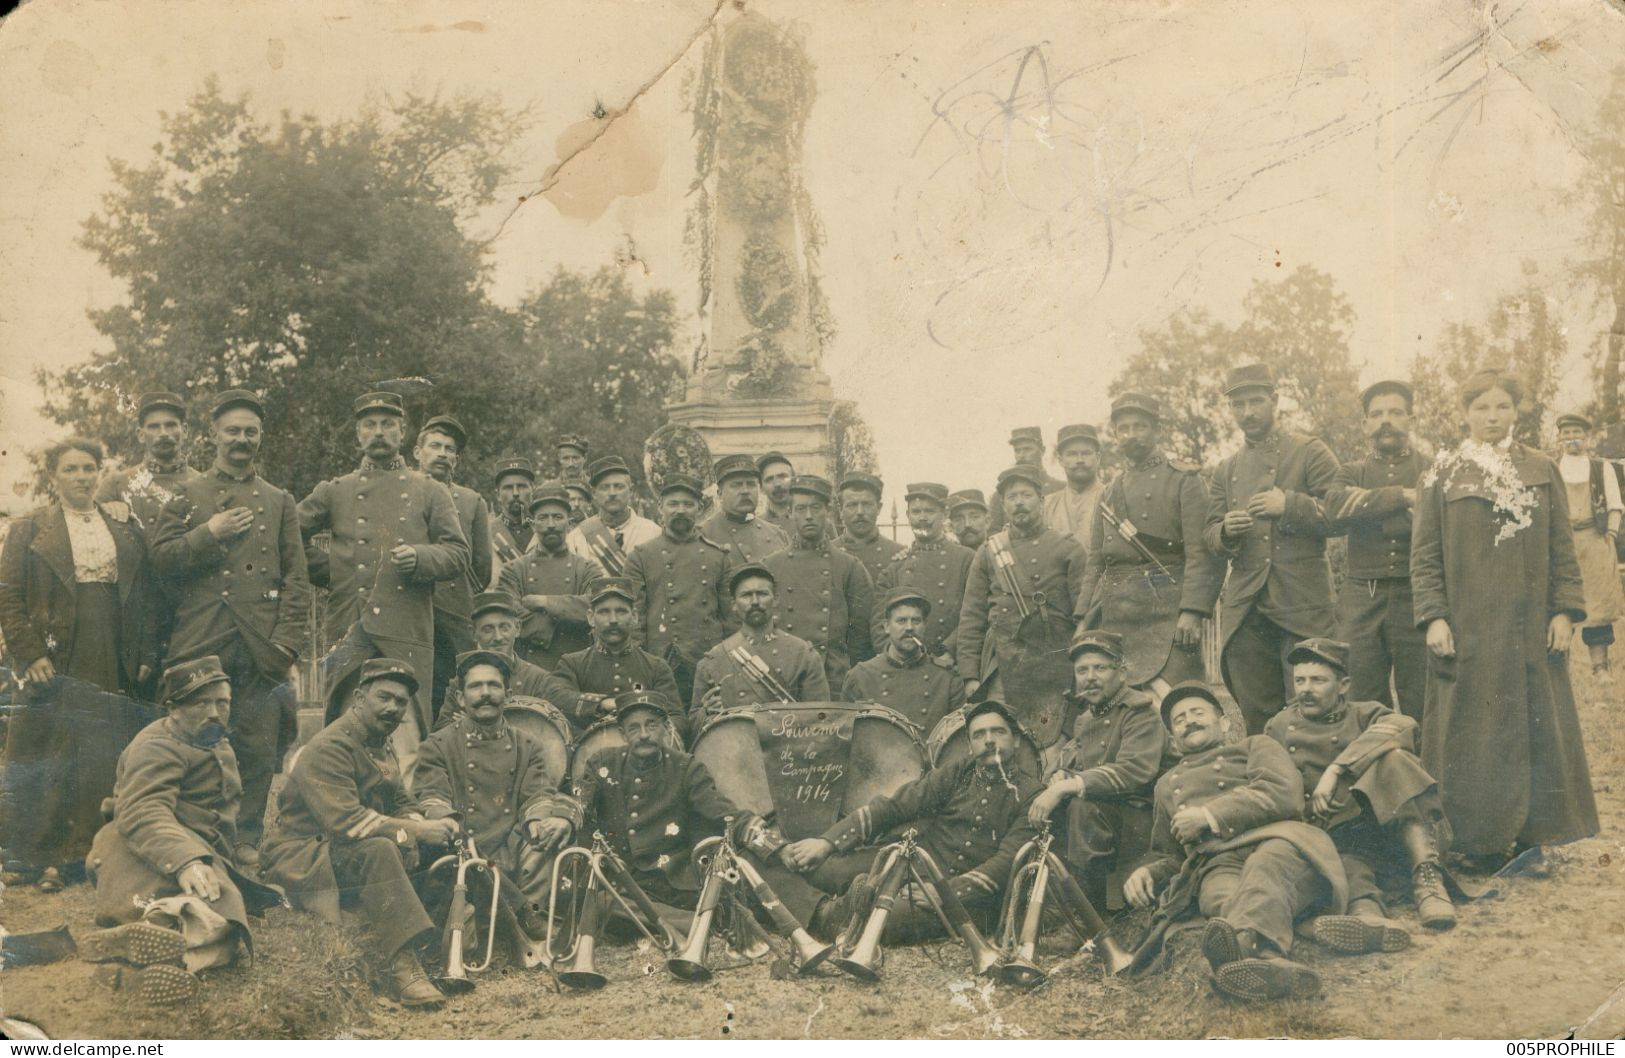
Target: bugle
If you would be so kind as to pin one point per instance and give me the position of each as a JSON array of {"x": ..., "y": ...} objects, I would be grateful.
[
  {"x": 467, "y": 858},
  {"x": 606, "y": 878},
  {"x": 1036, "y": 869}
]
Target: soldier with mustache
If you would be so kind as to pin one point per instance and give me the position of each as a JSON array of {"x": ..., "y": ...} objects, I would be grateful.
[
  {"x": 967, "y": 515},
  {"x": 512, "y": 534},
  {"x": 550, "y": 582},
  {"x": 230, "y": 545},
  {"x": 1374, "y": 500}
]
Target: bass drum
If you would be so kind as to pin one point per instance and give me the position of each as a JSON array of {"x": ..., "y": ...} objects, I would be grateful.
[
  {"x": 606, "y": 734},
  {"x": 544, "y": 722},
  {"x": 948, "y": 745},
  {"x": 885, "y": 753}
]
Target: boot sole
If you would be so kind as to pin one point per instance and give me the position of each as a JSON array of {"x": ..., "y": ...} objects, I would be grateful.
[
  {"x": 138, "y": 943},
  {"x": 156, "y": 986},
  {"x": 1348, "y": 935},
  {"x": 1254, "y": 979},
  {"x": 1439, "y": 923},
  {"x": 1219, "y": 944}
]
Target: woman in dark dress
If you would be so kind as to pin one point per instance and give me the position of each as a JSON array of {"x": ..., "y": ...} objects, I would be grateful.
[
  {"x": 74, "y": 614},
  {"x": 1497, "y": 591}
]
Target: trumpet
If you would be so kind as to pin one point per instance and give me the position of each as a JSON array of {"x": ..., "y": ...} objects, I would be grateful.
[
  {"x": 758, "y": 671},
  {"x": 723, "y": 877},
  {"x": 1037, "y": 867},
  {"x": 904, "y": 862},
  {"x": 606, "y": 877},
  {"x": 467, "y": 858}
]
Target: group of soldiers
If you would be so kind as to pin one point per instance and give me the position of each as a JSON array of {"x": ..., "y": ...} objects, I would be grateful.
[{"x": 442, "y": 616}]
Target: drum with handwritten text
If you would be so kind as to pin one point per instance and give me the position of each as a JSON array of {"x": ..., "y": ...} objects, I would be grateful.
[{"x": 811, "y": 763}]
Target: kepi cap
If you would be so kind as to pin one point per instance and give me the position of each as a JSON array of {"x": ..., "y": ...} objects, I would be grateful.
[
  {"x": 1077, "y": 432},
  {"x": 388, "y": 669},
  {"x": 469, "y": 658},
  {"x": 898, "y": 596},
  {"x": 683, "y": 483},
  {"x": 1188, "y": 689},
  {"x": 1098, "y": 640},
  {"x": 1248, "y": 376},
  {"x": 1387, "y": 385},
  {"x": 606, "y": 587},
  {"x": 860, "y": 480},
  {"x": 1032, "y": 475},
  {"x": 926, "y": 490},
  {"x": 735, "y": 465},
  {"x": 606, "y": 465},
  {"x": 1144, "y": 403},
  {"x": 379, "y": 400},
  {"x": 1027, "y": 433},
  {"x": 517, "y": 465},
  {"x": 160, "y": 399},
  {"x": 448, "y": 425},
  {"x": 486, "y": 601},
  {"x": 228, "y": 399},
  {"x": 1319, "y": 648},
  {"x": 1574, "y": 419},
  {"x": 767, "y": 459},
  {"x": 966, "y": 498},
  {"x": 812, "y": 485},
  {"x": 548, "y": 492},
  {"x": 180, "y": 682},
  {"x": 571, "y": 440},
  {"x": 632, "y": 701},
  {"x": 750, "y": 569}
]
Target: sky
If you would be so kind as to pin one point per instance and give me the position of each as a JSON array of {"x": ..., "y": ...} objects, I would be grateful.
[{"x": 1012, "y": 190}]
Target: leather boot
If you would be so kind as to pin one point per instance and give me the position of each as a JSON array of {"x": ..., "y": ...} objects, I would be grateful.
[
  {"x": 1366, "y": 907},
  {"x": 1433, "y": 904},
  {"x": 412, "y": 986}
]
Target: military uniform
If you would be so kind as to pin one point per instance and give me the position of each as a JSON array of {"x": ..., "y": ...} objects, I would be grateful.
[
  {"x": 1047, "y": 562},
  {"x": 496, "y": 782},
  {"x": 825, "y": 598},
  {"x": 338, "y": 779},
  {"x": 750, "y": 540},
  {"x": 509, "y": 542},
  {"x": 681, "y": 589},
  {"x": 793, "y": 661},
  {"x": 1377, "y": 748},
  {"x": 875, "y": 554},
  {"x": 1260, "y": 868},
  {"x": 1375, "y": 612},
  {"x": 1117, "y": 749},
  {"x": 938, "y": 570},
  {"x": 970, "y": 822},
  {"x": 174, "y": 804},
  {"x": 1279, "y": 590},
  {"x": 145, "y": 489},
  {"x": 454, "y": 598},
  {"x": 922, "y": 691},
  {"x": 546, "y": 636},
  {"x": 1164, "y": 506},
  {"x": 246, "y": 601},
  {"x": 1048, "y": 487},
  {"x": 598, "y": 671}
]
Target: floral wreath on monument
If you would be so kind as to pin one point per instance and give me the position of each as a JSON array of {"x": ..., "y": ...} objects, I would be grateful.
[
  {"x": 766, "y": 284},
  {"x": 766, "y": 365}
]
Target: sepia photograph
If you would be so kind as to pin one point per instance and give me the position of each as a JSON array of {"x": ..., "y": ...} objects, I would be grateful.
[{"x": 900, "y": 520}]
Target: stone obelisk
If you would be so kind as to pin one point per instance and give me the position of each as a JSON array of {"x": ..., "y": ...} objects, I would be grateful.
[{"x": 757, "y": 385}]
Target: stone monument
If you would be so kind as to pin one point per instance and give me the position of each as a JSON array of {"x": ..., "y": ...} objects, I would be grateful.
[{"x": 756, "y": 384}]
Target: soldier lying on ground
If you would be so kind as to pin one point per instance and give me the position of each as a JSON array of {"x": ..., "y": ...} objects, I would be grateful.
[{"x": 1228, "y": 842}]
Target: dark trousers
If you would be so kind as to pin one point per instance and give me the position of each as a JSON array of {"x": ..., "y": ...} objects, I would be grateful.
[
  {"x": 261, "y": 724},
  {"x": 1264, "y": 888},
  {"x": 1377, "y": 619},
  {"x": 372, "y": 875},
  {"x": 1095, "y": 837},
  {"x": 1255, "y": 669},
  {"x": 453, "y": 635}
]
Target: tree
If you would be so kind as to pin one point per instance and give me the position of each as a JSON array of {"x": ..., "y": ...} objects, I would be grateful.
[
  {"x": 1183, "y": 364},
  {"x": 1603, "y": 189},
  {"x": 304, "y": 260},
  {"x": 1300, "y": 328},
  {"x": 1522, "y": 335}
]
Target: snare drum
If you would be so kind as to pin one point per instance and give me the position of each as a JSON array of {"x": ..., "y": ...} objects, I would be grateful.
[
  {"x": 948, "y": 744},
  {"x": 606, "y": 734},
  {"x": 545, "y": 723}
]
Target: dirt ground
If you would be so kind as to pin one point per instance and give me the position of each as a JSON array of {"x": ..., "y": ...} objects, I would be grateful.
[{"x": 1543, "y": 957}]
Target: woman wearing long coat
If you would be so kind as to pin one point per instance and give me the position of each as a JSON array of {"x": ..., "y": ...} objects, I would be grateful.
[
  {"x": 74, "y": 612},
  {"x": 1497, "y": 590}
]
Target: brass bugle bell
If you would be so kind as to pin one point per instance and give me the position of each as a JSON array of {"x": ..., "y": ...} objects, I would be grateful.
[
  {"x": 689, "y": 963},
  {"x": 456, "y": 980},
  {"x": 581, "y": 973},
  {"x": 953, "y": 914},
  {"x": 863, "y": 961},
  {"x": 1114, "y": 955},
  {"x": 1020, "y": 966},
  {"x": 809, "y": 953}
]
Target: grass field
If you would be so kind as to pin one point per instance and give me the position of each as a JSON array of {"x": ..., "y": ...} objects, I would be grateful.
[{"x": 1544, "y": 957}]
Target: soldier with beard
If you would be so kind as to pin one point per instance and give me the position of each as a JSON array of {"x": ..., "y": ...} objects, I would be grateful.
[
  {"x": 680, "y": 583},
  {"x": 777, "y": 473},
  {"x": 735, "y": 524},
  {"x": 1071, "y": 509},
  {"x": 721, "y": 683},
  {"x": 496, "y": 626},
  {"x": 1265, "y": 519},
  {"x": 614, "y": 665},
  {"x": 571, "y": 452},
  {"x": 1150, "y": 577},
  {"x": 439, "y": 446},
  {"x": 858, "y": 500},
  {"x": 230, "y": 545},
  {"x": 512, "y": 534},
  {"x": 967, "y": 513},
  {"x": 901, "y": 676},
  {"x": 551, "y": 582},
  {"x": 1374, "y": 500},
  {"x": 1104, "y": 773}
]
